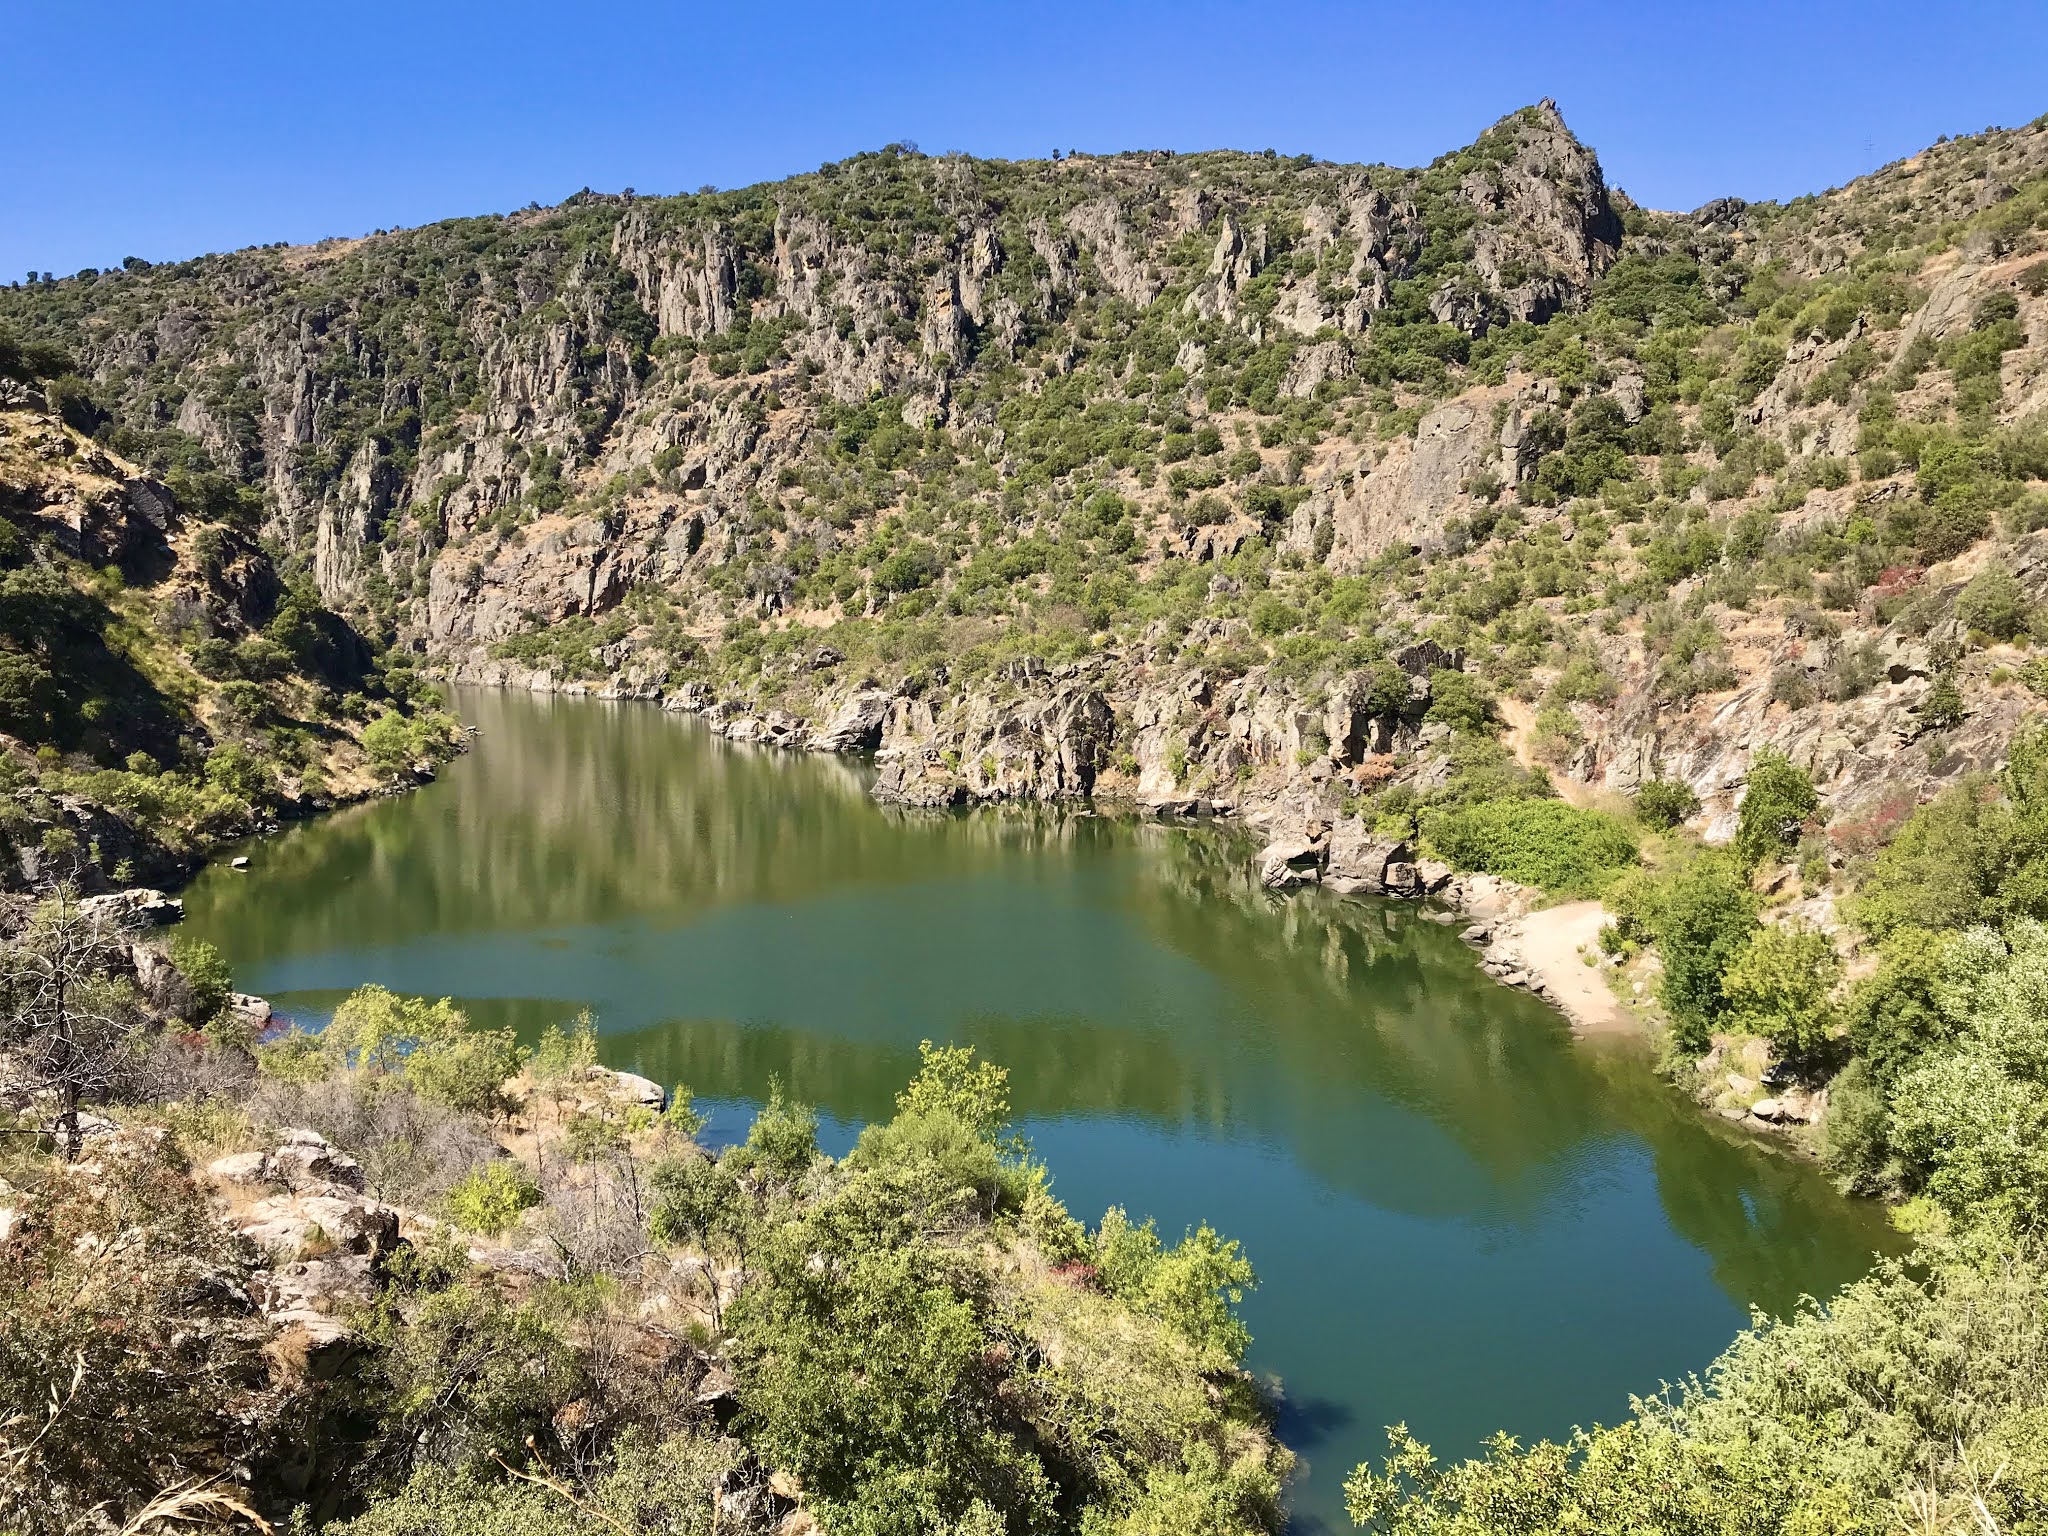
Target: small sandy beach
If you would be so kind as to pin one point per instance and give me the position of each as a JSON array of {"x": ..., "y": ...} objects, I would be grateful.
[{"x": 1547, "y": 944}]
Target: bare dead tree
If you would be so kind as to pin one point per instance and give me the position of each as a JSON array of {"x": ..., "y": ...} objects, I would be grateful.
[{"x": 68, "y": 1018}]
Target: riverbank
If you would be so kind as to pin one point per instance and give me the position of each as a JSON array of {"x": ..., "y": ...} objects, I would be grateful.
[{"x": 1545, "y": 951}]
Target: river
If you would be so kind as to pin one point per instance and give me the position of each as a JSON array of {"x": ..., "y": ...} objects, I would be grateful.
[{"x": 1461, "y": 1217}]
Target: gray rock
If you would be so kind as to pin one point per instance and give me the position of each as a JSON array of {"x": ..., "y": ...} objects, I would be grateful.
[
  {"x": 137, "y": 908},
  {"x": 857, "y": 725},
  {"x": 1359, "y": 858},
  {"x": 1289, "y": 861},
  {"x": 305, "y": 1160},
  {"x": 241, "y": 1168},
  {"x": 314, "y": 1226},
  {"x": 630, "y": 1088}
]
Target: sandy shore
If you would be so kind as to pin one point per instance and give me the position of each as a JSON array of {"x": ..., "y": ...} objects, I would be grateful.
[{"x": 1541, "y": 951}]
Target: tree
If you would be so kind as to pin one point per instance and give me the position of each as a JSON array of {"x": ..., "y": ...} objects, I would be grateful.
[
  {"x": 1776, "y": 805},
  {"x": 949, "y": 1079},
  {"x": 1663, "y": 803},
  {"x": 441, "y": 1055},
  {"x": 208, "y": 980},
  {"x": 64, "y": 1009},
  {"x": 1705, "y": 921},
  {"x": 1782, "y": 987}
]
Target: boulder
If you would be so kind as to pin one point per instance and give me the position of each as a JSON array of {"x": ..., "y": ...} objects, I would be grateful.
[
  {"x": 305, "y": 1160},
  {"x": 629, "y": 1088},
  {"x": 241, "y": 1168},
  {"x": 306, "y": 1293},
  {"x": 1290, "y": 861},
  {"x": 1358, "y": 858},
  {"x": 1432, "y": 875},
  {"x": 309, "y": 1226},
  {"x": 137, "y": 908},
  {"x": 250, "y": 1009}
]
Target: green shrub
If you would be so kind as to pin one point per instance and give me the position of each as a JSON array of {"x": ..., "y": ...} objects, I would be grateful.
[
  {"x": 1994, "y": 604},
  {"x": 1779, "y": 800},
  {"x": 208, "y": 981},
  {"x": 490, "y": 1199},
  {"x": 1662, "y": 804},
  {"x": 1782, "y": 987},
  {"x": 1546, "y": 843},
  {"x": 1705, "y": 915}
]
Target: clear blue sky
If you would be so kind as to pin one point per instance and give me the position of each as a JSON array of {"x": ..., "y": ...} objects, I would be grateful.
[{"x": 140, "y": 127}]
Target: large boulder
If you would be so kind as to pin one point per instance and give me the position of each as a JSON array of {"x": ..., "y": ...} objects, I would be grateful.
[
  {"x": 1289, "y": 861},
  {"x": 137, "y": 908},
  {"x": 629, "y": 1088},
  {"x": 1358, "y": 858},
  {"x": 316, "y": 1226},
  {"x": 857, "y": 724}
]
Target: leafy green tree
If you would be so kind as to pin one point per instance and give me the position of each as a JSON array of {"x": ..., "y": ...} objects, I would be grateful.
[
  {"x": 1664, "y": 803},
  {"x": 208, "y": 981},
  {"x": 1781, "y": 986},
  {"x": 1895, "y": 1014},
  {"x": 949, "y": 1079},
  {"x": 1459, "y": 700},
  {"x": 1779, "y": 800},
  {"x": 1706, "y": 917},
  {"x": 783, "y": 1142},
  {"x": 432, "y": 1044},
  {"x": 868, "y": 1375}
]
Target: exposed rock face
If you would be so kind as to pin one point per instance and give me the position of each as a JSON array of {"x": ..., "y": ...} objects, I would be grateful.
[
  {"x": 857, "y": 724},
  {"x": 325, "y": 1238},
  {"x": 1042, "y": 748}
]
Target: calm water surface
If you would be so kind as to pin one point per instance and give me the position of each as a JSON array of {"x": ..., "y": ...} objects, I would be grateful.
[{"x": 1461, "y": 1217}]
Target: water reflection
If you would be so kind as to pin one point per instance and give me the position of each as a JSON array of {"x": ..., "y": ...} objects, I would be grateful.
[{"x": 1434, "y": 1179}]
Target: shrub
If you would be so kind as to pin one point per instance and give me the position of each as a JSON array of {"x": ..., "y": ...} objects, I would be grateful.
[
  {"x": 1706, "y": 914},
  {"x": 207, "y": 978},
  {"x": 1664, "y": 803},
  {"x": 1994, "y": 604},
  {"x": 1782, "y": 987},
  {"x": 432, "y": 1044},
  {"x": 1942, "y": 709},
  {"x": 490, "y": 1199},
  {"x": 1776, "y": 805},
  {"x": 1544, "y": 843}
]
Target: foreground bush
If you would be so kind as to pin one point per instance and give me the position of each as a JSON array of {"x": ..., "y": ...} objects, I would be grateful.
[{"x": 1898, "y": 1407}]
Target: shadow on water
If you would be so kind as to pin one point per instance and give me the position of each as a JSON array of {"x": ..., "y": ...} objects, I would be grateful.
[{"x": 1462, "y": 1218}]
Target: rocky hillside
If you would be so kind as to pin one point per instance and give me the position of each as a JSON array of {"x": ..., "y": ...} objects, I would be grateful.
[
  {"x": 162, "y": 686},
  {"x": 1184, "y": 477}
]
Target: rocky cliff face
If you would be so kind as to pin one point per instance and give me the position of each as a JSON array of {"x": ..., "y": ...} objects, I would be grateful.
[{"x": 1125, "y": 474}]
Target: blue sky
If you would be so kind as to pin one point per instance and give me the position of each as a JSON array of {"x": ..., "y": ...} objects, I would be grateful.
[{"x": 164, "y": 130}]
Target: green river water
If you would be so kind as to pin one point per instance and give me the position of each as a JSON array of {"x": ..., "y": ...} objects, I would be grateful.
[{"x": 1462, "y": 1218}]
